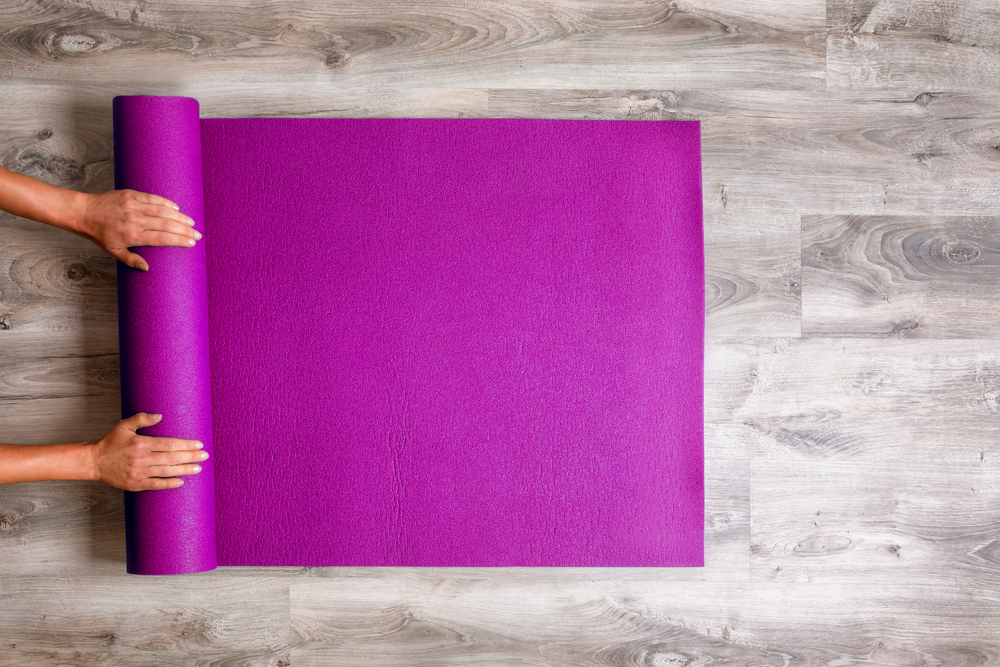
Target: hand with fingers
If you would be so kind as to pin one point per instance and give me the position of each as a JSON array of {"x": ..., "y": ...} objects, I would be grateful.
[
  {"x": 134, "y": 462},
  {"x": 115, "y": 220},
  {"x": 120, "y": 219},
  {"x": 122, "y": 458}
]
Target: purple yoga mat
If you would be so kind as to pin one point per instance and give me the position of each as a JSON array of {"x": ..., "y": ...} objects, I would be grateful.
[{"x": 418, "y": 342}]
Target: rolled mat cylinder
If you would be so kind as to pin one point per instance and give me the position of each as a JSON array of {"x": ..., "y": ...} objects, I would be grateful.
[{"x": 163, "y": 335}]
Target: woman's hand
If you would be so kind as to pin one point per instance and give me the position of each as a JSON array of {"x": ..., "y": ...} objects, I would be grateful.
[
  {"x": 115, "y": 220},
  {"x": 120, "y": 219},
  {"x": 127, "y": 460}
]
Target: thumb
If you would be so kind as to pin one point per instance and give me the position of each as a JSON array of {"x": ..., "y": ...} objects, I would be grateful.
[
  {"x": 129, "y": 258},
  {"x": 140, "y": 420}
]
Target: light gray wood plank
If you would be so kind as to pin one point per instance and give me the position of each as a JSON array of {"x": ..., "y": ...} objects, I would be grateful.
[
  {"x": 44, "y": 365},
  {"x": 427, "y": 44},
  {"x": 914, "y": 46},
  {"x": 903, "y": 277},
  {"x": 398, "y": 620},
  {"x": 60, "y": 386},
  {"x": 56, "y": 529},
  {"x": 203, "y": 619},
  {"x": 752, "y": 275},
  {"x": 895, "y": 523},
  {"x": 58, "y": 135},
  {"x": 877, "y": 401},
  {"x": 51, "y": 280}
]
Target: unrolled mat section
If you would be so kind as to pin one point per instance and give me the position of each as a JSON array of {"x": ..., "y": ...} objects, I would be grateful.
[{"x": 466, "y": 342}]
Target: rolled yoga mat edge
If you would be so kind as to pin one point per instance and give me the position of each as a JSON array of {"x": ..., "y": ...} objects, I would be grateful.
[{"x": 163, "y": 335}]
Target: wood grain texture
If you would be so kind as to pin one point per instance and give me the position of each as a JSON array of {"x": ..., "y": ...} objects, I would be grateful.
[
  {"x": 504, "y": 621},
  {"x": 430, "y": 43},
  {"x": 58, "y": 386},
  {"x": 53, "y": 281},
  {"x": 753, "y": 278},
  {"x": 58, "y": 135},
  {"x": 873, "y": 401},
  {"x": 914, "y": 45},
  {"x": 900, "y": 523},
  {"x": 63, "y": 528},
  {"x": 851, "y": 155},
  {"x": 902, "y": 277},
  {"x": 228, "y": 620}
]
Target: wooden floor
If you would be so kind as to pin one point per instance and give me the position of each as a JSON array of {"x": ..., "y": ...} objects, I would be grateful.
[{"x": 852, "y": 198}]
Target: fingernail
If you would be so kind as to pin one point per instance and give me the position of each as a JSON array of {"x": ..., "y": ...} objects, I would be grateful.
[
  {"x": 176, "y": 207},
  {"x": 198, "y": 445},
  {"x": 181, "y": 482},
  {"x": 197, "y": 468},
  {"x": 156, "y": 416},
  {"x": 197, "y": 235},
  {"x": 190, "y": 241},
  {"x": 145, "y": 267},
  {"x": 191, "y": 222},
  {"x": 204, "y": 455}
]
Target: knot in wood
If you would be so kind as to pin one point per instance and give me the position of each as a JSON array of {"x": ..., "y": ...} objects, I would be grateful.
[
  {"x": 960, "y": 252},
  {"x": 10, "y": 522},
  {"x": 78, "y": 272}
]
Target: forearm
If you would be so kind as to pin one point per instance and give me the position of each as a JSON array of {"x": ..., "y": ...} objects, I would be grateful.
[
  {"x": 30, "y": 198},
  {"x": 36, "y": 463}
]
